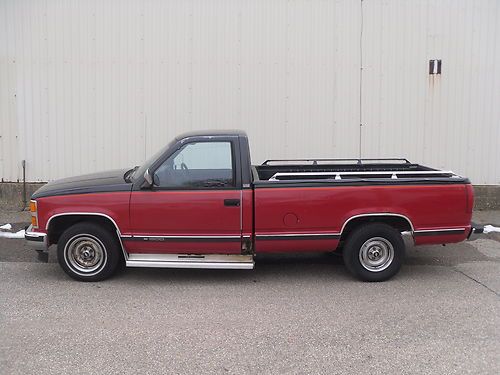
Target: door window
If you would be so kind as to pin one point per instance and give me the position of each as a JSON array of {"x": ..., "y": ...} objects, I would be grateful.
[{"x": 199, "y": 165}]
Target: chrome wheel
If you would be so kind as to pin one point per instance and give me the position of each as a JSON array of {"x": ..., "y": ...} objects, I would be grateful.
[
  {"x": 85, "y": 254},
  {"x": 376, "y": 254}
]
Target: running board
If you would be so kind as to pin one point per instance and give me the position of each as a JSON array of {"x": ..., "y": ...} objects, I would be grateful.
[{"x": 213, "y": 261}]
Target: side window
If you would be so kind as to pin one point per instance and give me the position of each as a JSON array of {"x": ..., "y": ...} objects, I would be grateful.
[{"x": 198, "y": 165}]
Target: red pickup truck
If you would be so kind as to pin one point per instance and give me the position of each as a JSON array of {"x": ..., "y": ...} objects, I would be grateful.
[{"x": 199, "y": 203}]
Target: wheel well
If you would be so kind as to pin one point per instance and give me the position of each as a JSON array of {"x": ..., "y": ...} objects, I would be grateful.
[
  {"x": 59, "y": 224},
  {"x": 398, "y": 222}
]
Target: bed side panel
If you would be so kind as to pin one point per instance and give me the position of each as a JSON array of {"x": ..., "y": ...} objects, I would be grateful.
[{"x": 324, "y": 210}]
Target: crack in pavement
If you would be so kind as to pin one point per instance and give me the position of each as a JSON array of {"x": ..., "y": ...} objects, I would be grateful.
[{"x": 477, "y": 281}]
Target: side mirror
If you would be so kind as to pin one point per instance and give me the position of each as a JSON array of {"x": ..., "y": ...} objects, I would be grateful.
[{"x": 148, "y": 180}]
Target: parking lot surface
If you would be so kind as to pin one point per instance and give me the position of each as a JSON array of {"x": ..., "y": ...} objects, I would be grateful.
[{"x": 292, "y": 314}]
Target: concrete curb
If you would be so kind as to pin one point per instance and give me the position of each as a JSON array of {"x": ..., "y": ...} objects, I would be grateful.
[
  {"x": 487, "y": 197},
  {"x": 11, "y": 193}
]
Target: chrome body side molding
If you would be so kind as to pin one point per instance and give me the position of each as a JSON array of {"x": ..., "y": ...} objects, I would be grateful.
[
  {"x": 378, "y": 214},
  {"x": 298, "y": 236},
  {"x": 209, "y": 261},
  {"x": 162, "y": 238}
]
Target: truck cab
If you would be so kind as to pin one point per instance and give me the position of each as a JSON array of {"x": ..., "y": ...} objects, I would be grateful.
[{"x": 200, "y": 189}]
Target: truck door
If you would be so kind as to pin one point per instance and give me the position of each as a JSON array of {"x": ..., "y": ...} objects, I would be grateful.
[{"x": 195, "y": 204}]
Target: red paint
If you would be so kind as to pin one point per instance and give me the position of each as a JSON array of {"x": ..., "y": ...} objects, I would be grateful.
[
  {"x": 284, "y": 246},
  {"x": 247, "y": 213},
  {"x": 442, "y": 239},
  {"x": 185, "y": 213},
  {"x": 317, "y": 210},
  {"x": 114, "y": 205},
  {"x": 470, "y": 198},
  {"x": 173, "y": 247},
  {"x": 326, "y": 209}
]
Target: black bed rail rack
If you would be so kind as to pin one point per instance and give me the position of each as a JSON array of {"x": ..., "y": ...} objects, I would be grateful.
[
  {"x": 349, "y": 169},
  {"x": 357, "y": 161}
]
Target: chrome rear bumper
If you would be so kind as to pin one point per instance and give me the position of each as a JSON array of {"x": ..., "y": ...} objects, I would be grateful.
[
  {"x": 36, "y": 240},
  {"x": 476, "y": 232}
]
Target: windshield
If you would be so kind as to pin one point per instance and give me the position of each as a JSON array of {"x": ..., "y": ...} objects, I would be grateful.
[{"x": 140, "y": 171}]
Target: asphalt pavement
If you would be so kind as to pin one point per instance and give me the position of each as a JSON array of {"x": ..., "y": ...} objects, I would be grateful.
[{"x": 298, "y": 314}]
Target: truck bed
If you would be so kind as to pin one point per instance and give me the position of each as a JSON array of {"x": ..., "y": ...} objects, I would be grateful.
[
  {"x": 348, "y": 170},
  {"x": 312, "y": 200}
]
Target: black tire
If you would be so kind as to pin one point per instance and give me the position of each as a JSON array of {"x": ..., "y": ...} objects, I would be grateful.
[
  {"x": 88, "y": 252},
  {"x": 374, "y": 252}
]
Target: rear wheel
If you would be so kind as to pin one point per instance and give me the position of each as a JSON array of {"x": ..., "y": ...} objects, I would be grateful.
[
  {"x": 87, "y": 252},
  {"x": 374, "y": 252}
]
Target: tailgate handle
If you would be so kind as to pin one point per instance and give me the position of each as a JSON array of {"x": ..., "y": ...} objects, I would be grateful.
[{"x": 232, "y": 202}]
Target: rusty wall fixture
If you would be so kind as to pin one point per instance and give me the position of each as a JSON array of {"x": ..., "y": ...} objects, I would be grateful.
[{"x": 434, "y": 66}]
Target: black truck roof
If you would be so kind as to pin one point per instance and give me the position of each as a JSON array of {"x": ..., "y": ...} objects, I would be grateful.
[{"x": 214, "y": 133}]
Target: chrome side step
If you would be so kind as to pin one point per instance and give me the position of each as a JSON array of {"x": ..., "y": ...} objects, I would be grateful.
[{"x": 213, "y": 261}]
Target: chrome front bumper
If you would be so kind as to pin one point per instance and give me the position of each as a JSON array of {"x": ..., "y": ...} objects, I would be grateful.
[{"x": 36, "y": 240}]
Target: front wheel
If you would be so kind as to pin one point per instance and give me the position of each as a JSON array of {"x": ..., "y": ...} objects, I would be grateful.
[
  {"x": 374, "y": 252},
  {"x": 87, "y": 252}
]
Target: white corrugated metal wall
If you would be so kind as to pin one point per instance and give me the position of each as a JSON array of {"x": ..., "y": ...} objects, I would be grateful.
[{"x": 91, "y": 85}]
